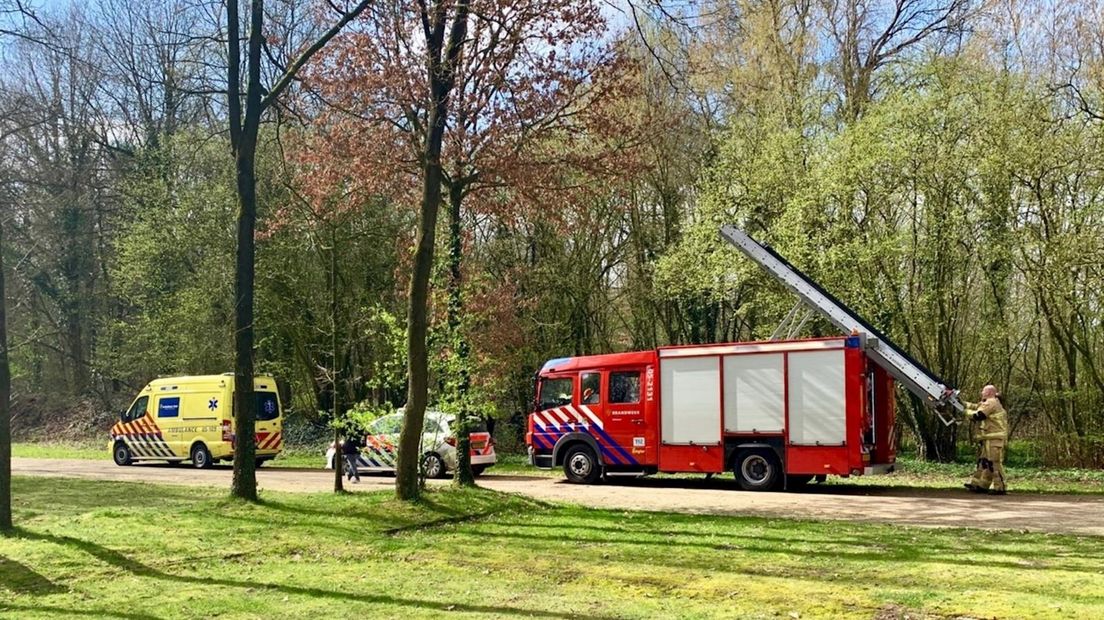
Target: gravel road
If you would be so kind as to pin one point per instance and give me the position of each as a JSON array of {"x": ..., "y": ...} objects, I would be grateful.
[{"x": 1069, "y": 514}]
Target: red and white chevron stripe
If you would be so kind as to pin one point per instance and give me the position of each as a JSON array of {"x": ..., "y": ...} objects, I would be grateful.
[{"x": 567, "y": 414}]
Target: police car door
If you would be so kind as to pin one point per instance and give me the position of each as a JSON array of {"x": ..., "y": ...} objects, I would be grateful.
[{"x": 379, "y": 450}]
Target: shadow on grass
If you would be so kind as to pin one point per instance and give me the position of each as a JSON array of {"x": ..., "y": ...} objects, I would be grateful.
[
  {"x": 883, "y": 552},
  {"x": 84, "y": 613},
  {"x": 21, "y": 579},
  {"x": 134, "y": 567}
]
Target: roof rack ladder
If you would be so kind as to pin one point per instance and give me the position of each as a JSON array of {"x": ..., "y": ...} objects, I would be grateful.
[{"x": 912, "y": 374}]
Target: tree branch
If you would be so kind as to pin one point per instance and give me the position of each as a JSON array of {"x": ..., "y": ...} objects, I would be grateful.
[{"x": 290, "y": 74}]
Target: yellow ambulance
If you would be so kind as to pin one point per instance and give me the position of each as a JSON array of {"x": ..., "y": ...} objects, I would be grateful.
[{"x": 192, "y": 418}]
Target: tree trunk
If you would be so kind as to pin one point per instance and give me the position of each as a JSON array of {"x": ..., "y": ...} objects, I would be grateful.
[
  {"x": 338, "y": 455},
  {"x": 441, "y": 74},
  {"x": 243, "y": 138},
  {"x": 5, "y": 398},
  {"x": 463, "y": 475},
  {"x": 417, "y": 391},
  {"x": 245, "y": 474}
]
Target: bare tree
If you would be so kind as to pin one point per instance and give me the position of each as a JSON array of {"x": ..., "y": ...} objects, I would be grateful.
[
  {"x": 869, "y": 34},
  {"x": 245, "y": 120},
  {"x": 14, "y": 15},
  {"x": 5, "y": 398}
]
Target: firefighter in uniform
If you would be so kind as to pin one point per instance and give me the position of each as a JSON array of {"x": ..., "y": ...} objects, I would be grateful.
[{"x": 991, "y": 426}]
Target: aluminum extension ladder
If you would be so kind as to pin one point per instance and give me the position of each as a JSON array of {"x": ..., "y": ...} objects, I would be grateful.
[{"x": 912, "y": 374}]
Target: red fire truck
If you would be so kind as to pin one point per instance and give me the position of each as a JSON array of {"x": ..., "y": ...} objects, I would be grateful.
[{"x": 776, "y": 413}]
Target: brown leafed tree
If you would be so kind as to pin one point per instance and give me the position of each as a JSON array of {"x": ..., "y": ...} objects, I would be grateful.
[
  {"x": 397, "y": 71},
  {"x": 528, "y": 77},
  {"x": 442, "y": 57},
  {"x": 245, "y": 115}
]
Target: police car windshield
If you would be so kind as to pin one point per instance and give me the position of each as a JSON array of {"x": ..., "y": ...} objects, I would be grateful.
[{"x": 268, "y": 407}]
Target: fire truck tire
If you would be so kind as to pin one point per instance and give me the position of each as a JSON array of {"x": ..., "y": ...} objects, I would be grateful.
[
  {"x": 121, "y": 454},
  {"x": 757, "y": 470},
  {"x": 581, "y": 465},
  {"x": 201, "y": 457}
]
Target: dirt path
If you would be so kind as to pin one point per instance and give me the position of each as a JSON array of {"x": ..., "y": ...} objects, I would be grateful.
[{"x": 1071, "y": 514}]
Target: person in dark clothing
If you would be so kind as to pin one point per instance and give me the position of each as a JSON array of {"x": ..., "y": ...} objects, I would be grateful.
[{"x": 351, "y": 449}]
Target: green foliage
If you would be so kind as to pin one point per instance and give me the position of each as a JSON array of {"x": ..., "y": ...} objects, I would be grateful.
[
  {"x": 360, "y": 415},
  {"x": 173, "y": 276}
]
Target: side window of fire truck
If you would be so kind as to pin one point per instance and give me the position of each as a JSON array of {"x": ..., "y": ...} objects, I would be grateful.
[
  {"x": 592, "y": 388},
  {"x": 625, "y": 387},
  {"x": 556, "y": 392}
]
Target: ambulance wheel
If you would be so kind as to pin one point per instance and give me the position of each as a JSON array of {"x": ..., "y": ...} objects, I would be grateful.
[
  {"x": 477, "y": 470},
  {"x": 201, "y": 457},
  {"x": 121, "y": 454},
  {"x": 581, "y": 465},
  {"x": 433, "y": 466},
  {"x": 257, "y": 463},
  {"x": 757, "y": 470}
]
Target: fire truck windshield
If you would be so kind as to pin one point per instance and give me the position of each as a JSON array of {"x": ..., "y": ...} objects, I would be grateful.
[{"x": 556, "y": 392}]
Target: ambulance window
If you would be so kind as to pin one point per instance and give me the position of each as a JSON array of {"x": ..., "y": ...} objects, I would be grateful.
[
  {"x": 625, "y": 387},
  {"x": 268, "y": 408},
  {"x": 556, "y": 392},
  {"x": 138, "y": 409},
  {"x": 592, "y": 388}
]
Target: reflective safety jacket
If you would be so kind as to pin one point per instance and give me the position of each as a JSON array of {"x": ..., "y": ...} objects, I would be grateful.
[{"x": 995, "y": 424}]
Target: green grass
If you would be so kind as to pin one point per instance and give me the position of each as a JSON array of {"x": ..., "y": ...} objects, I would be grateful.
[
  {"x": 135, "y": 551},
  {"x": 922, "y": 474},
  {"x": 62, "y": 450}
]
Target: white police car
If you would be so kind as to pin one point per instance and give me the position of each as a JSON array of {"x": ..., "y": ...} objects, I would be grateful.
[{"x": 379, "y": 453}]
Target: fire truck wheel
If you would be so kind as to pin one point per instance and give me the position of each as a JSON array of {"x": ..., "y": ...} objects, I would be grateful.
[
  {"x": 201, "y": 456},
  {"x": 122, "y": 454},
  {"x": 757, "y": 470},
  {"x": 581, "y": 465}
]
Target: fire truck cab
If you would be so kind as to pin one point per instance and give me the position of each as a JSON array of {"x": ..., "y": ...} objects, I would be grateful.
[{"x": 775, "y": 413}]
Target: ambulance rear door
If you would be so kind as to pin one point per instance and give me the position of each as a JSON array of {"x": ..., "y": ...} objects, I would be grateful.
[{"x": 269, "y": 422}]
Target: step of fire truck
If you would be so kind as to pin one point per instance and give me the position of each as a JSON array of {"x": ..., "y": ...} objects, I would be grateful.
[{"x": 912, "y": 374}]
